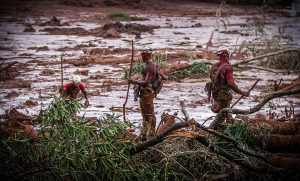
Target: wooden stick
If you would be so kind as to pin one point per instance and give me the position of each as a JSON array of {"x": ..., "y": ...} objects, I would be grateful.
[
  {"x": 243, "y": 96},
  {"x": 62, "y": 71},
  {"x": 129, "y": 76}
]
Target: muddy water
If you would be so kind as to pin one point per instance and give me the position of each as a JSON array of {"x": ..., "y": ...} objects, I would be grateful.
[{"x": 174, "y": 32}]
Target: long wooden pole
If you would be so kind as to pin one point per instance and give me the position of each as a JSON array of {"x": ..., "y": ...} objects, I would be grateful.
[
  {"x": 248, "y": 91},
  {"x": 62, "y": 71},
  {"x": 129, "y": 76}
]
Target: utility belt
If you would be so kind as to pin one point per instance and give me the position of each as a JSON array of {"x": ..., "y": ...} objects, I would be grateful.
[
  {"x": 140, "y": 91},
  {"x": 212, "y": 89}
]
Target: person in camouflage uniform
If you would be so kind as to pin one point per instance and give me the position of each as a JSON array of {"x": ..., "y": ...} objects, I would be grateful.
[
  {"x": 146, "y": 95},
  {"x": 222, "y": 82}
]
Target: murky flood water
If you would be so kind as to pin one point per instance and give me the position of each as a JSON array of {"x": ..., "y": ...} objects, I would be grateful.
[{"x": 174, "y": 32}]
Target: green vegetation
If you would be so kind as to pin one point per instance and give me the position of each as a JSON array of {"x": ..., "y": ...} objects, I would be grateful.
[
  {"x": 158, "y": 58},
  {"x": 240, "y": 132},
  {"x": 289, "y": 61},
  {"x": 71, "y": 148},
  {"x": 68, "y": 148},
  {"x": 196, "y": 69},
  {"x": 118, "y": 16}
]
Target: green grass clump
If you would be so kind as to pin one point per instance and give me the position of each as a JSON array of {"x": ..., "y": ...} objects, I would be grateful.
[
  {"x": 158, "y": 59},
  {"x": 196, "y": 69},
  {"x": 240, "y": 132},
  {"x": 118, "y": 16}
]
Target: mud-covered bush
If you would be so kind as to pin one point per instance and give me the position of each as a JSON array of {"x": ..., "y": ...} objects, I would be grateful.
[
  {"x": 80, "y": 3},
  {"x": 289, "y": 61},
  {"x": 118, "y": 16},
  {"x": 254, "y": 2}
]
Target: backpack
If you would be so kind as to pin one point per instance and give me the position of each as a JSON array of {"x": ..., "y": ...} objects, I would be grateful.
[
  {"x": 158, "y": 81},
  {"x": 157, "y": 84},
  {"x": 213, "y": 85}
]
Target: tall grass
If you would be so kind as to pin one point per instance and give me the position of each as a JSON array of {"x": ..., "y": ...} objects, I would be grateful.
[{"x": 118, "y": 16}]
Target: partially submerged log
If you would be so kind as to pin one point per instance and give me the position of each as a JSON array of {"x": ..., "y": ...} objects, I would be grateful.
[
  {"x": 285, "y": 160},
  {"x": 174, "y": 67},
  {"x": 15, "y": 115},
  {"x": 281, "y": 143},
  {"x": 254, "y": 109},
  {"x": 275, "y": 127}
]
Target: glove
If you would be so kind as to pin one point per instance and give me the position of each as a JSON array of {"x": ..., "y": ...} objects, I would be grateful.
[
  {"x": 86, "y": 104},
  {"x": 131, "y": 81}
]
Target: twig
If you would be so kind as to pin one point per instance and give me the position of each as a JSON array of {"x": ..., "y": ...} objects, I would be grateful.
[
  {"x": 186, "y": 115},
  {"x": 158, "y": 139},
  {"x": 169, "y": 157},
  {"x": 207, "y": 119}
]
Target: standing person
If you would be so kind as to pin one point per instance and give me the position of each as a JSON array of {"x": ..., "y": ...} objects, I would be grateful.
[
  {"x": 72, "y": 89},
  {"x": 146, "y": 95},
  {"x": 222, "y": 82}
]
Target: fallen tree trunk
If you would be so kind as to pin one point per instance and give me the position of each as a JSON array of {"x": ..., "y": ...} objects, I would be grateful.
[
  {"x": 174, "y": 67},
  {"x": 250, "y": 59},
  {"x": 275, "y": 127},
  {"x": 256, "y": 108},
  {"x": 281, "y": 143},
  {"x": 266, "y": 55},
  {"x": 285, "y": 160}
]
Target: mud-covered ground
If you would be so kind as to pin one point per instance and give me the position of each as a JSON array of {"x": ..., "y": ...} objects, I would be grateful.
[{"x": 31, "y": 36}]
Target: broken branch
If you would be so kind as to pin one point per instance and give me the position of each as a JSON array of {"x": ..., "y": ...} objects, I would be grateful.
[
  {"x": 8, "y": 66},
  {"x": 186, "y": 115},
  {"x": 255, "y": 108},
  {"x": 266, "y": 55}
]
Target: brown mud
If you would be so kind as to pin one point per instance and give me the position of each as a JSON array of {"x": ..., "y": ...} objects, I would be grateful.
[{"x": 102, "y": 63}]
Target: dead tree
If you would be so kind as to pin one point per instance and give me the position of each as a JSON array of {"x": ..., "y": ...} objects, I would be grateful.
[{"x": 254, "y": 109}]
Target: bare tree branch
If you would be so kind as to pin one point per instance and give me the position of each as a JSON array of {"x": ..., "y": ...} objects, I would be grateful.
[
  {"x": 267, "y": 69},
  {"x": 266, "y": 55},
  {"x": 158, "y": 139},
  {"x": 253, "y": 109}
]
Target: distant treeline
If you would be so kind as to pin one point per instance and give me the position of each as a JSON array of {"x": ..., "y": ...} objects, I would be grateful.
[{"x": 255, "y": 2}]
